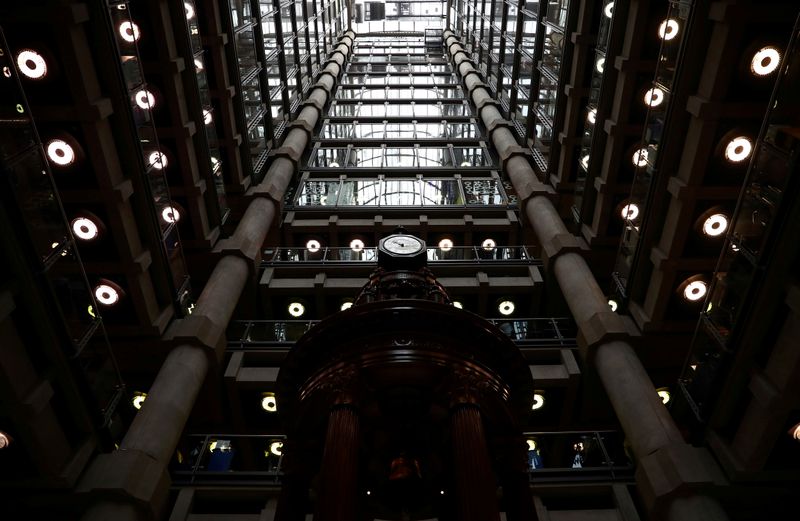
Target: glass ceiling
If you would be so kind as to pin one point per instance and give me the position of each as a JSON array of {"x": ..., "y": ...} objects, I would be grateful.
[{"x": 413, "y": 16}]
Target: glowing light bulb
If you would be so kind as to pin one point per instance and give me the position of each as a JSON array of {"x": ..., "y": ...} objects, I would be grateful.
[
  {"x": 608, "y": 10},
  {"x": 31, "y": 64},
  {"x": 446, "y": 245},
  {"x": 138, "y": 400},
  {"x": 585, "y": 162},
  {"x": 630, "y": 212},
  {"x": 664, "y": 395},
  {"x": 600, "y": 64},
  {"x": 296, "y": 309},
  {"x": 457, "y": 304},
  {"x": 198, "y": 64},
  {"x": 591, "y": 117},
  {"x": 357, "y": 245},
  {"x": 654, "y": 97},
  {"x": 60, "y": 152},
  {"x": 795, "y": 432},
  {"x": 189, "y": 10},
  {"x": 268, "y": 402},
  {"x": 106, "y": 295},
  {"x": 506, "y": 307},
  {"x": 129, "y": 31},
  {"x": 276, "y": 448},
  {"x": 668, "y": 29},
  {"x": 715, "y": 225},
  {"x": 639, "y": 157},
  {"x": 313, "y": 246},
  {"x": 207, "y": 117},
  {"x": 613, "y": 304},
  {"x": 170, "y": 214},
  {"x": 5, "y": 440},
  {"x": 538, "y": 401},
  {"x": 531, "y": 444},
  {"x": 157, "y": 159},
  {"x": 346, "y": 305},
  {"x": 488, "y": 245},
  {"x": 738, "y": 149},
  {"x": 695, "y": 291},
  {"x": 765, "y": 61},
  {"x": 144, "y": 99},
  {"x": 85, "y": 229}
]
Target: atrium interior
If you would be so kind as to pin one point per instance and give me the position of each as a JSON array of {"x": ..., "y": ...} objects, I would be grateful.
[{"x": 337, "y": 260}]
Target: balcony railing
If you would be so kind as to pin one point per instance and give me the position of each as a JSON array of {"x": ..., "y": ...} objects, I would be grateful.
[
  {"x": 282, "y": 334},
  {"x": 235, "y": 459},
  {"x": 456, "y": 254}
]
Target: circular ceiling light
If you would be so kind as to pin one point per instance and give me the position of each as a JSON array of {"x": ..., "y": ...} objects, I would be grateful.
[
  {"x": 765, "y": 61},
  {"x": 207, "y": 117},
  {"x": 639, "y": 157},
  {"x": 106, "y": 295},
  {"x": 738, "y": 149},
  {"x": 446, "y": 245},
  {"x": 608, "y": 10},
  {"x": 189, "y": 10},
  {"x": 129, "y": 31},
  {"x": 276, "y": 448},
  {"x": 333, "y": 164},
  {"x": 600, "y": 64},
  {"x": 357, "y": 245},
  {"x": 663, "y": 393},
  {"x": 630, "y": 212},
  {"x": 296, "y": 309},
  {"x": 715, "y": 225},
  {"x": 313, "y": 246},
  {"x": 488, "y": 244},
  {"x": 591, "y": 117},
  {"x": 613, "y": 304},
  {"x": 5, "y": 440},
  {"x": 85, "y": 229},
  {"x": 268, "y": 402},
  {"x": 138, "y": 400},
  {"x": 794, "y": 432},
  {"x": 531, "y": 444},
  {"x": 457, "y": 304},
  {"x": 31, "y": 64},
  {"x": 506, "y": 307},
  {"x": 466, "y": 163},
  {"x": 198, "y": 64},
  {"x": 668, "y": 29},
  {"x": 60, "y": 152},
  {"x": 346, "y": 305},
  {"x": 170, "y": 214},
  {"x": 585, "y": 162},
  {"x": 695, "y": 290},
  {"x": 144, "y": 99},
  {"x": 654, "y": 97},
  {"x": 157, "y": 159},
  {"x": 538, "y": 401},
  {"x": 214, "y": 162}
]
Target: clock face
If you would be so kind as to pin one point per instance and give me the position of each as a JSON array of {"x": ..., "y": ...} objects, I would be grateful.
[{"x": 403, "y": 244}]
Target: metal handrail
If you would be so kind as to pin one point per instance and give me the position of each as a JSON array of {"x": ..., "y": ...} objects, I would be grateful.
[
  {"x": 455, "y": 254},
  {"x": 281, "y": 334}
]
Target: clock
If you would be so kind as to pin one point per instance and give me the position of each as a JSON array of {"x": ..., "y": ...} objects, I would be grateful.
[
  {"x": 402, "y": 252},
  {"x": 403, "y": 244}
]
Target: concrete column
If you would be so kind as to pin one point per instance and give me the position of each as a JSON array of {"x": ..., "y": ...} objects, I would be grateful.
[
  {"x": 338, "y": 497},
  {"x": 221, "y": 293},
  {"x": 646, "y": 423},
  {"x": 159, "y": 424},
  {"x": 476, "y": 496}
]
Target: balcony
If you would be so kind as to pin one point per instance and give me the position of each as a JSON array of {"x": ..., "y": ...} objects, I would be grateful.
[
  {"x": 238, "y": 460},
  {"x": 368, "y": 256},
  {"x": 265, "y": 335}
]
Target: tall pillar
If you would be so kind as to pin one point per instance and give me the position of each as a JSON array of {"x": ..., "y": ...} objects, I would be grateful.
[
  {"x": 645, "y": 421},
  {"x": 339, "y": 474},
  {"x": 476, "y": 496}
]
